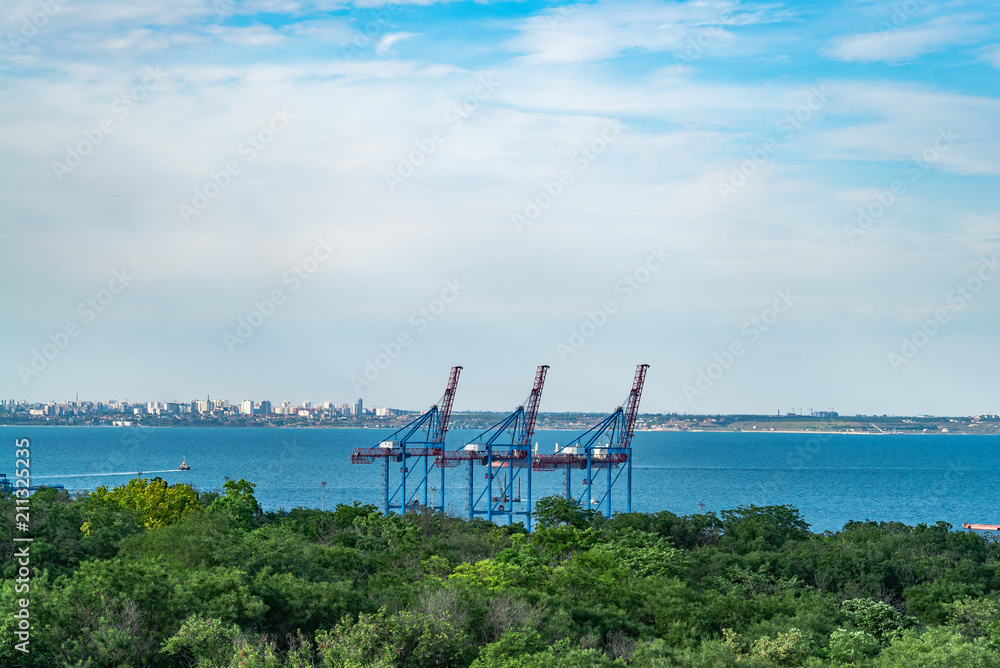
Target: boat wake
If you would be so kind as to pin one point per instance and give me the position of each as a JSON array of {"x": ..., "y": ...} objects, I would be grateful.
[{"x": 97, "y": 475}]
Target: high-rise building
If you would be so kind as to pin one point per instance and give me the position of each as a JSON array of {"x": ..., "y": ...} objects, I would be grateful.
[
  {"x": 246, "y": 408},
  {"x": 265, "y": 408},
  {"x": 359, "y": 408}
]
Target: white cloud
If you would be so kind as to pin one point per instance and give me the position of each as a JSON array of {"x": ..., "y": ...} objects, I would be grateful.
[
  {"x": 386, "y": 43},
  {"x": 582, "y": 32},
  {"x": 900, "y": 123},
  {"x": 992, "y": 56},
  {"x": 323, "y": 30},
  {"x": 256, "y": 35},
  {"x": 907, "y": 43}
]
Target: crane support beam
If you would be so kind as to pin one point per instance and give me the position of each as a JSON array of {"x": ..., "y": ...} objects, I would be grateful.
[
  {"x": 446, "y": 403},
  {"x": 534, "y": 399},
  {"x": 632, "y": 406},
  {"x": 504, "y": 455},
  {"x": 602, "y": 448},
  {"x": 421, "y": 439}
]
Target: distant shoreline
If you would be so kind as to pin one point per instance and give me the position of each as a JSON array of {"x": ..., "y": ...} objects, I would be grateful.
[{"x": 567, "y": 428}]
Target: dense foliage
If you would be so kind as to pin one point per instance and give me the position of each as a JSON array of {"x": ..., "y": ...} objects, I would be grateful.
[{"x": 154, "y": 575}]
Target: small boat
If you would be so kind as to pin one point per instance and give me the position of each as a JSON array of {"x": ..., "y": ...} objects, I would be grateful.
[{"x": 184, "y": 466}]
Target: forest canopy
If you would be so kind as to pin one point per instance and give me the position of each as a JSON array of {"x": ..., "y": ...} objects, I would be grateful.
[{"x": 155, "y": 575}]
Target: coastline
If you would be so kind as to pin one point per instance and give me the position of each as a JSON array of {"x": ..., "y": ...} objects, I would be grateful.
[{"x": 559, "y": 428}]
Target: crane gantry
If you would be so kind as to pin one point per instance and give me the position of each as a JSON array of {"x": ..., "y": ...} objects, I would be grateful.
[
  {"x": 504, "y": 450},
  {"x": 406, "y": 443},
  {"x": 605, "y": 447}
]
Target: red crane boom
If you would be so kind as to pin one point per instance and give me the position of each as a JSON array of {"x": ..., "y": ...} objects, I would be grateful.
[
  {"x": 444, "y": 412},
  {"x": 533, "y": 400},
  {"x": 632, "y": 406}
]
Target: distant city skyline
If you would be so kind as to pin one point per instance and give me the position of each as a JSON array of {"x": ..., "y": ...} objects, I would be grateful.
[{"x": 287, "y": 407}]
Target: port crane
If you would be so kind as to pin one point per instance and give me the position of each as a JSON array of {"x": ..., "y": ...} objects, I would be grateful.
[
  {"x": 604, "y": 452},
  {"x": 422, "y": 438},
  {"x": 503, "y": 450}
]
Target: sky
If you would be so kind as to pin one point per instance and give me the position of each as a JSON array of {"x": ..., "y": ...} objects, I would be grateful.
[{"x": 777, "y": 206}]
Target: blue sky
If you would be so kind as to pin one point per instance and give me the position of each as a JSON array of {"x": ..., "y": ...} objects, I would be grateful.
[{"x": 775, "y": 205}]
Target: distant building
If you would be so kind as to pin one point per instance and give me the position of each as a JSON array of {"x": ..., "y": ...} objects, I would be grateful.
[
  {"x": 359, "y": 408},
  {"x": 246, "y": 408},
  {"x": 265, "y": 408}
]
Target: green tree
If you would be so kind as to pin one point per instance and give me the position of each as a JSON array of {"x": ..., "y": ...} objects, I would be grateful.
[
  {"x": 853, "y": 646},
  {"x": 406, "y": 639},
  {"x": 876, "y": 618},
  {"x": 976, "y": 618},
  {"x": 155, "y": 502},
  {"x": 750, "y": 528},
  {"x": 204, "y": 642},
  {"x": 238, "y": 501},
  {"x": 512, "y": 644},
  {"x": 937, "y": 647},
  {"x": 553, "y": 511}
]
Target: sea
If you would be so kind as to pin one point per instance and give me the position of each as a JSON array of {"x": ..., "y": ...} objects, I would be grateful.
[{"x": 830, "y": 478}]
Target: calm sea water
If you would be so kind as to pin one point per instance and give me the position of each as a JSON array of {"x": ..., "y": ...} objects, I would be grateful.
[{"x": 831, "y": 478}]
